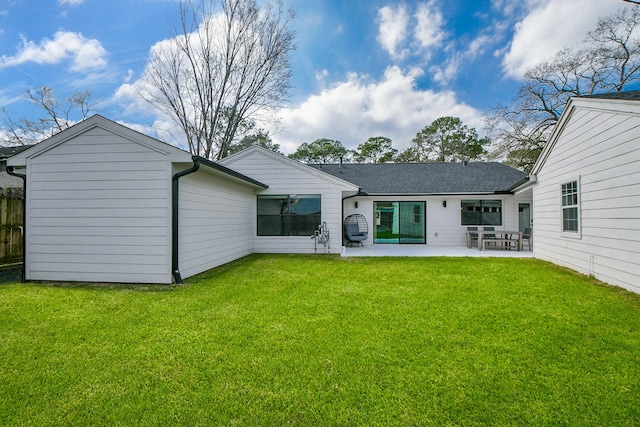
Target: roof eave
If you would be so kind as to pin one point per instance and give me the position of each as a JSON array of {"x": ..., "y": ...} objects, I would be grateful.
[{"x": 218, "y": 167}]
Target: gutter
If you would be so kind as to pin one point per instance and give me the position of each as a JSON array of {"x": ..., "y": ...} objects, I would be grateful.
[
  {"x": 175, "y": 209},
  {"x": 175, "y": 203},
  {"x": 12, "y": 172}
]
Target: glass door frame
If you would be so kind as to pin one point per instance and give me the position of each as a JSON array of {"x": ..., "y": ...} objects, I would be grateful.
[{"x": 390, "y": 217}]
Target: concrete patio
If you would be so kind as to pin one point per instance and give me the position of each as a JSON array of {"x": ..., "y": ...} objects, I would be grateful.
[{"x": 430, "y": 251}]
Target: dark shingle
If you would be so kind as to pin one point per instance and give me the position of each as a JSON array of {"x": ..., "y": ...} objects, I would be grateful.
[
  {"x": 427, "y": 178},
  {"x": 633, "y": 95}
]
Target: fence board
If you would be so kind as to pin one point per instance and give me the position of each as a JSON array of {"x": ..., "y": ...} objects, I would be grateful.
[{"x": 11, "y": 207}]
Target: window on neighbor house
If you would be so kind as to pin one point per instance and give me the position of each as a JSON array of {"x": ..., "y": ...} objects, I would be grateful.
[
  {"x": 481, "y": 212},
  {"x": 570, "y": 210},
  {"x": 288, "y": 215}
]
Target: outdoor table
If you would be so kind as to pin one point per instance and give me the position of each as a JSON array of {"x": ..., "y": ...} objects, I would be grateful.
[{"x": 500, "y": 236}]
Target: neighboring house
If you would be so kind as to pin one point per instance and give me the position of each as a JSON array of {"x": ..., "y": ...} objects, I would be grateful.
[
  {"x": 587, "y": 190},
  {"x": 107, "y": 204},
  {"x": 9, "y": 182},
  {"x": 11, "y": 203}
]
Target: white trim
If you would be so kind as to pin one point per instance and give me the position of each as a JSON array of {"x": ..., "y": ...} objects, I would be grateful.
[
  {"x": 617, "y": 106},
  {"x": 571, "y": 234}
]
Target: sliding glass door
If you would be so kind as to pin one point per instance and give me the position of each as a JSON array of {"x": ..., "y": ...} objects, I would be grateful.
[{"x": 399, "y": 222}]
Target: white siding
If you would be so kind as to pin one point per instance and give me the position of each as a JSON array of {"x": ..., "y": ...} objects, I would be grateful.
[
  {"x": 443, "y": 223},
  {"x": 285, "y": 177},
  {"x": 98, "y": 210},
  {"x": 216, "y": 222},
  {"x": 602, "y": 150}
]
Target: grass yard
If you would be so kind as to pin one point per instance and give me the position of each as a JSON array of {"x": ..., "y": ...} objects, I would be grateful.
[{"x": 323, "y": 340}]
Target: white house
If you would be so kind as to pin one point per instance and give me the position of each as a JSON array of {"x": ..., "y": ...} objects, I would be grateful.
[
  {"x": 298, "y": 199},
  {"x": 107, "y": 204},
  {"x": 100, "y": 208},
  {"x": 433, "y": 203},
  {"x": 587, "y": 190}
]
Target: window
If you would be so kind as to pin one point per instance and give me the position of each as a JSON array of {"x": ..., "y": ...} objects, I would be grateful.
[
  {"x": 288, "y": 215},
  {"x": 570, "y": 217},
  {"x": 481, "y": 212}
]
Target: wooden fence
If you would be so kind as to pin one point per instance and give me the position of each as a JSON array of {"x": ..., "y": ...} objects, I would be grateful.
[{"x": 11, "y": 207}]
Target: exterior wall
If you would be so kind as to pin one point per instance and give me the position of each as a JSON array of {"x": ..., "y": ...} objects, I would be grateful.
[
  {"x": 216, "y": 222},
  {"x": 98, "y": 209},
  {"x": 600, "y": 149},
  {"x": 285, "y": 176},
  {"x": 443, "y": 223}
]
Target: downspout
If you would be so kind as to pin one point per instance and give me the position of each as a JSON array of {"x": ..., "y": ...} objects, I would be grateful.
[
  {"x": 23, "y": 177},
  {"x": 175, "y": 205}
]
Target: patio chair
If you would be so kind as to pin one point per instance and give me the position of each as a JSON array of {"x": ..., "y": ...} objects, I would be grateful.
[
  {"x": 526, "y": 237},
  {"x": 489, "y": 236},
  {"x": 355, "y": 229},
  {"x": 471, "y": 236}
]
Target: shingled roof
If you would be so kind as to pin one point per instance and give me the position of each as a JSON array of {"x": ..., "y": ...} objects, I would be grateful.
[
  {"x": 428, "y": 178},
  {"x": 632, "y": 95},
  {"x": 6, "y": 152}
]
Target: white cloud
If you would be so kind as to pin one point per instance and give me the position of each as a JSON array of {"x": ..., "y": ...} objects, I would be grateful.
[
  {"x": 351, "y": 110},
  {"x": 8, "y": 96},
  {"x": 403, "y": 33},
  {"x": 479, "y": 45},
  {"x": 443, "y": 75},
  {"x": 429, "y": 29},
  {"x": 85, "y": 54},
  {"x": 358, "y": 108},
  {"x": 549, "y": 26},
  {"x": 70, "y": 2},
  {"x": 392, "y": 32},
  {"x": 127, "y": 97}
]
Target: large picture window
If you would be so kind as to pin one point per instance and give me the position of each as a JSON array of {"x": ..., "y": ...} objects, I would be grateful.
[
  {"x": 288, "y": 215},
  {"x": 481, "y": 212},
  {"x": 570, "y": 211}
]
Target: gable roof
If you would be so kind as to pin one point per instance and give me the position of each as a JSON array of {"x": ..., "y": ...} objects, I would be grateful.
[
  {"x": 174, "y": 154},
  {"x": 617, "y": 102},
  {"x": 287, "y": 162},
  {"x": 428, "y": 178},
  {"x": 97, "y": 121}
]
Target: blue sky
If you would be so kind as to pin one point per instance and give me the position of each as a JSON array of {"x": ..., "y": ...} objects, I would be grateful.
[{"x": 361, "y": 68}]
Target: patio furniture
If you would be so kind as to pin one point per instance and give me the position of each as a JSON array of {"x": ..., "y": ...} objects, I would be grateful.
[
  {"x": 472, "y": 234},
  {"x": 356, "y": 229},
  {"x": 488, "y": 236},
  {"x": 501, "y": 239},
  {"x": 526, "y": 236}
]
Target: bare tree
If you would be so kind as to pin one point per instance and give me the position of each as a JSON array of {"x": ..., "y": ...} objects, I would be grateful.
[
  {"x": 59, "y": 115},
  {"x": 608, "y": 61},
  {"x": 228, "y": 62}
]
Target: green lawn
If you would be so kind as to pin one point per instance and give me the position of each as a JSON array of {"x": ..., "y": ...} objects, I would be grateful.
[{"x": 322, "y": 340}]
